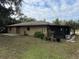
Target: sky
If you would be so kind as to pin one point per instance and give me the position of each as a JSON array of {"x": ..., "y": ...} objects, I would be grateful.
[{"x": 51, "y": 9}]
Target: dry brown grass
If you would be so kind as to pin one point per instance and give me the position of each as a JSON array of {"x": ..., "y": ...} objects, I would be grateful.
[{"x": 23, "y": 47}]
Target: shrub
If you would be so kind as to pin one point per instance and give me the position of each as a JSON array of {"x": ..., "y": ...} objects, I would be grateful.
[{"x": 39, "y": 35}]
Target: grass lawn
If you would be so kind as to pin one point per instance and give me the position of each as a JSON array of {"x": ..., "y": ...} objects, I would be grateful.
[{"x": 23, "y": 47}]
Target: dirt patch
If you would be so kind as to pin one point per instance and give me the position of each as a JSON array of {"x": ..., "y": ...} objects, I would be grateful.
[{"x": 9, "y": 34}]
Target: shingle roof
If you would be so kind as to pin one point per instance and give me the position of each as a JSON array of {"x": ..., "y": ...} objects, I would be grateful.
[
  {"x": 31, "y": 23},
  {"x": 36, "y": 23}
]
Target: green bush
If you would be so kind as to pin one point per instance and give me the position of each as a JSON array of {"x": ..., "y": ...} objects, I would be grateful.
[{"x": 39, "y": 35}]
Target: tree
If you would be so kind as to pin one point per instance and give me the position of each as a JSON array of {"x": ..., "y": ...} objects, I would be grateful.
[
  {"x": 26, "y": 19},
  {"x": 73, "y": 23},
  {"x": 7, "y": 9},
  {"x": 57, "y": 22}
]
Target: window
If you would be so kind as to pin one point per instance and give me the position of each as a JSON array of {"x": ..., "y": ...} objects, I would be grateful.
[{"x": 28, "y": 28}]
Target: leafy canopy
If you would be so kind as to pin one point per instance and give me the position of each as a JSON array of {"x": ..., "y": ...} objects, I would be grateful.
[{"x": 7, "y": 9}]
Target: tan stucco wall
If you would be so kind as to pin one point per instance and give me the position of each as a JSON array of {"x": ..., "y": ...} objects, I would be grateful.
[
  {"x": 31, "y": 31},
  {"x": 37, "y": 29}
]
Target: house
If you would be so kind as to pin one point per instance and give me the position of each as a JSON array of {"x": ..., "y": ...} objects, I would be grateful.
[
  {"x": 29, "y": 28},
  {"x": 49, "y": 29}
]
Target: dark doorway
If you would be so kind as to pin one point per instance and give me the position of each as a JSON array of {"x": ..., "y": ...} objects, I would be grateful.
[{"x": 17, "y": 30}]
